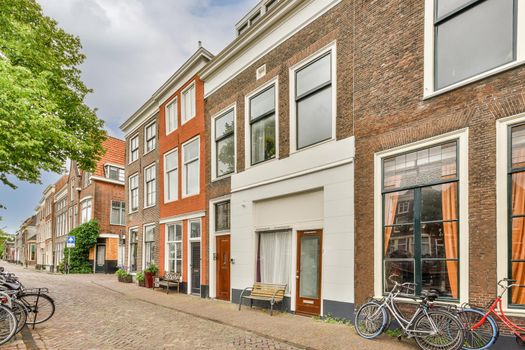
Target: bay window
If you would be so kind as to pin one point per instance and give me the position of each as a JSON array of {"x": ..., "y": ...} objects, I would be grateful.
[
  {"x": 225, "y": 143},
  {"x": 171, "y": 176},
  {"x": 191, "y": 170},
  {"x": 262, "y": 125},
  {"x": 274, "y": 257},
  {"x": 150, "y": 186},
  {"x": 421, "y": 219},
  {"x": 149, "y": 245},
  {"x": 174, "y": 243}
]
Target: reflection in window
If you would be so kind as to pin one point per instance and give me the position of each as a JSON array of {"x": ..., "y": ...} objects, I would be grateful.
[
  {"x": 225, "y": 144},
  {"x": 262, "y": 125}
]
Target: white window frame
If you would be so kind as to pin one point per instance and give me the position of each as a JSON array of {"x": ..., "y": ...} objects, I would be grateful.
[
  {"x": 214, "y": 176},
  {"x": 120, "y": 171},
  {"x": 154, "y": 124},
  {"x": 502, "y": 227},
  {"x": 184, "y": 189},
  {"x": 130, "y": 199},
  {"x": 247, "y": 128},
  {"x": 428, "y": 90},
  {"x": 121, "y": 210},
  {"x": 184, "y": 118},
  {"x": 169, "y": 130},
  {"x": 144, "y": 243},
  {"x": 166, "y": 247},
  {"x": 166, "y": 179},
  {"x": 463, "y": 151},
  {"x": 146, "y": 186},
  {"x": 85, "y": 200},
  {"x": 129, "y": 245},
  {"x": 189, "y": 229},
  {"x": 131, "y": 149},
  {"x": 332, "y": 48}
]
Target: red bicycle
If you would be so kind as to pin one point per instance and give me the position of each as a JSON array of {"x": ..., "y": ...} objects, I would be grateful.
[{"x": 481, "y": 330}]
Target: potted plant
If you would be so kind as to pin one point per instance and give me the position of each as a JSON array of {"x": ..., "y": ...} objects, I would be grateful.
[
  {"x": 123, "y": 276},
  {"x": 149, "y": 274},
  {"x": 140, "y": 278}
]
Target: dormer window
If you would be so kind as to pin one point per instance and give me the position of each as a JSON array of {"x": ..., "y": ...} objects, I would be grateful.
[
  {"x": 243, "y": 29},
  {"x": 255, "y": 18},
  {"x": 114, "y": 173},
  {"x": 270, "y": 4}
]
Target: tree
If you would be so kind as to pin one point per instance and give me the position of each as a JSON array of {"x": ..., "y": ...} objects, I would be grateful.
[
  {"x": 43, "y": 117},
  {"x": 85, "y": 239}
]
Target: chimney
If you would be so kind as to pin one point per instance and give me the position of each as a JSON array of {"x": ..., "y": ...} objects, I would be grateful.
[{"x": 200, "y": 44}]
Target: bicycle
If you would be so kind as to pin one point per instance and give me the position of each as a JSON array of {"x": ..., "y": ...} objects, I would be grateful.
[
  {"x": 432, "y": 329},
  {"x": 481, "y": 328},
  {"x": 8, "y": 322}
]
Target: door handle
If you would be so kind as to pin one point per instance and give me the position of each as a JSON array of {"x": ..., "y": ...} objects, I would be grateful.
[{"x": 297, "y": 277}]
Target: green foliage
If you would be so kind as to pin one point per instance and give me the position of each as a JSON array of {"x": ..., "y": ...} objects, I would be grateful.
[
  {"x": 43, "y": 117},
  {"x": 61, "y": 267},
  {"x": 122, "y": 273},
  {"x": 334, "y": 320},
  {"x": 86, "y": 238},
  {"x": 152, "y": 268},
  {"x": 394, "y": 333},
  {"x": 139, "y": 276}
]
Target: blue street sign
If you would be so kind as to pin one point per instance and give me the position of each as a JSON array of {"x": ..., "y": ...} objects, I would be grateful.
[{"x": 70, "y": 243}]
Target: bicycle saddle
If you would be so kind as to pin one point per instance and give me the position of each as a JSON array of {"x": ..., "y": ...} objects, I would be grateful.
[
  {"x": 429, "y": 295},
  {"x": 11, "y": 285}
]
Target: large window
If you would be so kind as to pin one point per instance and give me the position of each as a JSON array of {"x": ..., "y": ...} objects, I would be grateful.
[
  {"x": 114, "y": 173},
  {"x": 516, "y": 178},
  {"x": 133, "y": 248},
  {"x": 174, "y": 243},
  {"x": 86, "y": 180},
  {"x": 274, "y": 257},
  {"x": 149, "y": 245},
  {"x": 134, "y": 192},
  {"x": 118, "y": 213},
  {"x": 262, "y": 125},
  {"x": 171, "y": 176},
  {"x": 188, "y": 103},
  {"x": 420, "y": 219},
  {"x": 171, "y": 116},
  {"x": 150, "y": 186},
  {"x": 85, "y": 211},
  {"x": 150, "y": 137},
  {"x": 191, "y": 168},
  {"x": 134, "y": 149},
  {"x": 472, "y": 37},
  {"x": 225, "y": 144},
  {"x": 313, "y": 98},
  {"x": 32, "y": 252},
  {"x": 222, "y": 216}
]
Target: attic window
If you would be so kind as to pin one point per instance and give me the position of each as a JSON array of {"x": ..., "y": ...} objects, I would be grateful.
[
  {"x": 243, "y": 28},
  {"x": 114, "y": 173},
  {"x": 270, "y": 4},
  {"x": 255, "y": 17}
]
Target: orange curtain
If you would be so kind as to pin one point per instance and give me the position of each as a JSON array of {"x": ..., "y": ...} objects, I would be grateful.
[
  {"x": 518, "y": 236},
  {"x": 391, "y": 207},
  {"x": 449, "y": 195}
]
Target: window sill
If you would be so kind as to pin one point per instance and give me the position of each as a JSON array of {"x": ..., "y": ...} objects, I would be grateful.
[
  {"x": 332, "y": 139},
  {"x": 149, "y": 206},
  {"x": 190, "y": 195},
  {"x": 133, "y": 212},
  {"x": 222, "y": 177},
  {"x": 495, "y": 71},
  {"x": 187, "y": 120},
  {"x": 171, "y": 201},
  {"x": 133, "y": 161},
  {"x": 148, "y": 152},
  {"x": 170, "y": 132}
]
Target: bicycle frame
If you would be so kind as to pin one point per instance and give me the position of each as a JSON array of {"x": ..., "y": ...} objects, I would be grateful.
[{"x": 496, "y": 309}]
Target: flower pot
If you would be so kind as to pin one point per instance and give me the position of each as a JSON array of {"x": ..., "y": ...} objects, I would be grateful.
[
  {"x": 142, "y": 283},
  {"x": 148, "y": 279}
]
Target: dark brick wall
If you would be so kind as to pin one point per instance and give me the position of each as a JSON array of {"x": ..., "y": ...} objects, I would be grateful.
[
  {"x": 149, "y": 215},
  {"x": 390, "y": 111}
]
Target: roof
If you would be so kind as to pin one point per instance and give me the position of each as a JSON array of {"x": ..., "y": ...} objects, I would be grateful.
[
  {"x": 61, "y": 182},
  {"x": 115, "y": 154}
]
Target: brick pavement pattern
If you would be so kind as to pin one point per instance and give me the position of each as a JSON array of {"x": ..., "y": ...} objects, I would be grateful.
[{"x": 97, "y": 312}]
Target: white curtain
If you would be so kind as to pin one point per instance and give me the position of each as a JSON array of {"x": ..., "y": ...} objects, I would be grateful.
[{"x": 275, "y": 257}]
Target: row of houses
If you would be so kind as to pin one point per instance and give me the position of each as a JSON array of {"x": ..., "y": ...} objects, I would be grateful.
[
  {"x": 331, "y": 144},
  {"x": 76, "y": 198}
]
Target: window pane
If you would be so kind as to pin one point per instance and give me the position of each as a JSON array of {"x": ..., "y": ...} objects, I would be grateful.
[
  {"x": 399, "y": 208},
  {"x": 191, "y": 150},
  {"x": 171, "y": 160},
  {"x": 224, "y": 124},
  {"x": 439, "y": 240},
  {"x": 192, "y": 178},
  {"x": 518, "y": 193},
  {"x": 314, "y": 118},
  {"x": 150, "y": 233},
  {"x": 420, "y": 167},
  {"x": 309, "y": 267},
  {"x": 404, "y": 270},
  {"x": 171, "y": 233},
  {"x": 518, "y": 238},
  {"x": 474, "y": 41},
  {"x": 439, "y": 202},
  {"x": 440, "y": 276},
  {"x": 225, "y": 156},
  {"x": 313, "y": 75},
  {"x": 518, "y": 146},
  {"x": 178, "y": 232},
  {"x": 195, "y": 229},
  {"x": 518, "y": 273},
  {"x": 115, "y": 216},
  {"x": 263, "y": 139},
  {"x": 262, "y": 103},
  {"x": 447, "y": 6},
  {"x": 172, "y": 183},
  {"x": 399, "y": 241},
  {"x": 275, "y": 257},
  {"x": 222, "y": 216}
]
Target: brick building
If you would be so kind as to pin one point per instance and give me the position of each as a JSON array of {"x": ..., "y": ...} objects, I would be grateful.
[
  {"x": 25, "y": 242},
  {"x": 280, "y": 156},
  {"x": 44, "y": 230},
  {"x": 59, "y": 225}
]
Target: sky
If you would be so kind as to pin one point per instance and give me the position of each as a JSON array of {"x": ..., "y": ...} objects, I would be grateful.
[{"x": 132, "y": 47}]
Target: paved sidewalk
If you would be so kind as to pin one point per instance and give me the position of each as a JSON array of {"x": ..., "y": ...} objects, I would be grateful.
[{"x": 298, "y": 331}]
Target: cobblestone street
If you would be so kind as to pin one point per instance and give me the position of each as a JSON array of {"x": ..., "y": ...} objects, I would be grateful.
[{"x": 95, "y": 312}]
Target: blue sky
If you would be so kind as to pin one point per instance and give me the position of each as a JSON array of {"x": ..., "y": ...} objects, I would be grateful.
[{"x": 132, "y": 47}]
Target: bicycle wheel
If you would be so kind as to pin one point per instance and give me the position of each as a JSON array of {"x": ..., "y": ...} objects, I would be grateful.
[
  {"x": 40, "y": 312},
  {"x": 7, "y": 324},
  {"x": 483, "y": 336},
  {"x": 449, "y": 335},
  {"x": 21, "y": 314},
  {"x": 370, "y": 320}
]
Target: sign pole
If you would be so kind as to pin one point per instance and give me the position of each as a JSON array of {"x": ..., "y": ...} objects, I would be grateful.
[{"x": 68, "y": 259}]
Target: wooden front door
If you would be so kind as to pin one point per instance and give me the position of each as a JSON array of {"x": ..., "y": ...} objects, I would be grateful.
[
  {"x": 308, "y": 274},
  {"x": 223, "y": 267},
  {"x": 195, "y": 267}
]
